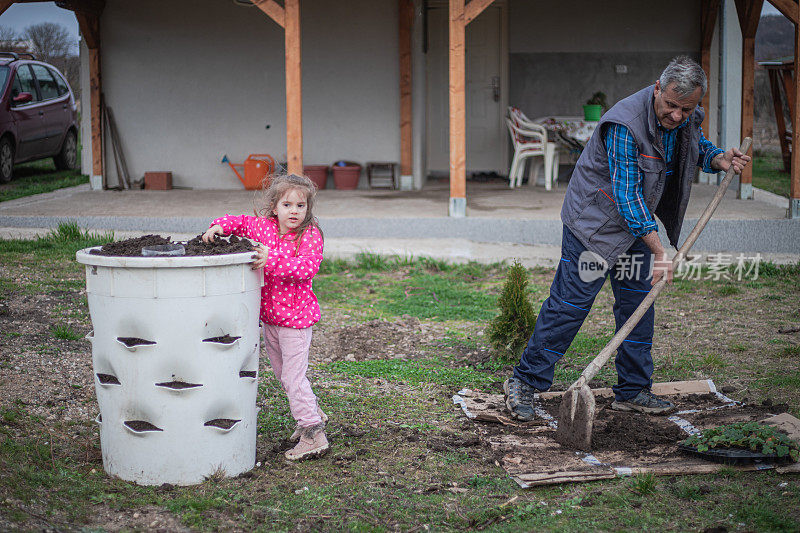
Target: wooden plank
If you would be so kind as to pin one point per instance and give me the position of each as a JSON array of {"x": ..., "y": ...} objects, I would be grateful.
[
  {"x": 777, "y": 104},
  {"x": 748, "y": 97},
  {"x": 788, "y": 8},
  {"x": 475, "y": 8},
  {"x": 5, "y": 4},
  {"x": 794, "y": 184},
  {"x": 406, "y": 12},
  {"x": 273, "y": 10},
  {"x": 699, "y": 386},
  {"x": 458, "y": 142},
  {"x": 294, "y": 89}
]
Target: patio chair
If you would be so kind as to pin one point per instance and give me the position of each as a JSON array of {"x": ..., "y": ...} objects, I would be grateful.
[{"x": 530, "y": 140}]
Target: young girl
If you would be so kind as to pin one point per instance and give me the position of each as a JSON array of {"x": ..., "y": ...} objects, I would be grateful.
[{"x": 290, "y": 251}]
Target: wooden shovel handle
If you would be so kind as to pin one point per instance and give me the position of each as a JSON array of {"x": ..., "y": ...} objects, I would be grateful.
[{"x": 602, "y": 358}]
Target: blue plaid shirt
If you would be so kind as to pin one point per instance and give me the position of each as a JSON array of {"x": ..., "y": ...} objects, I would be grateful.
[{"x": 626, "y": 178}]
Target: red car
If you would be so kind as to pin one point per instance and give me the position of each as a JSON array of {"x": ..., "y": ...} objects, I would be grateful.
[{"x": 38, "y": 118}]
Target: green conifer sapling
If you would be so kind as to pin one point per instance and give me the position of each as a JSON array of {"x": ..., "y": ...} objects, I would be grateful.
[{"x": 510, "y": 330}]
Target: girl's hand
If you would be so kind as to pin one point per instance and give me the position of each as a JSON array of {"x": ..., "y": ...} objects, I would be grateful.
[
  {"x": 260, "y": 255},
  {"x": 216, "y": 229}
]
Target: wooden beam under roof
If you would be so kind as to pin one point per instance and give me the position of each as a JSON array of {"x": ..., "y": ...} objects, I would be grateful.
[
  {"x": 749, "y": 13},
  {"x": 406, "y": 16},
  {"x": 475, "y": 8},
  {"x": 294, "y": 89},
  {"x": 457, "y": 88},
  {"x": 709, "y": 10},
  {"x": 788, "y": 8},
  {"x": 271, "y": 8},
  {"x": 90, "y": 29},
  {"x": 5, "y": 4}
]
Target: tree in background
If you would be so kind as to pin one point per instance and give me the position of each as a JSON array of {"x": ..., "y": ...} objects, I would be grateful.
[
  {"x": 51, "y": 43},
  {"x": 510, "y": 330}
]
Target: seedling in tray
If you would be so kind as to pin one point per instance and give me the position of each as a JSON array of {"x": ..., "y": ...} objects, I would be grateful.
[{"x": 743, "y": 442}]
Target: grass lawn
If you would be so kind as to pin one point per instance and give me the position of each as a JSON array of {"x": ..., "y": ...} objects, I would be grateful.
[
  {"x": 768, "y": 174},
  {"x": 39, "y": 176},
  {"x": 402, "y": 457}
]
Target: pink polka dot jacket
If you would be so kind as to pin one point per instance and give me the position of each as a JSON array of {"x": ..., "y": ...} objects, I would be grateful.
[{"x": 287, "y": 298}]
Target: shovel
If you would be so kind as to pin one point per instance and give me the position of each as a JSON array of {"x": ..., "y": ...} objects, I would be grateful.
[{"x": 576, "y": 413}]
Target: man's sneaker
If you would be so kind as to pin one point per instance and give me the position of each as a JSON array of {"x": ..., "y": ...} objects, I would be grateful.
[
  {"x": 645, "y": 402},
  {"x": 296, "y": 433},
  {"x": 312, "y": 443},
  {"x": 519, "y": 399}
]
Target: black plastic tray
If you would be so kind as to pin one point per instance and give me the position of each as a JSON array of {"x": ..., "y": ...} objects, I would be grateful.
[{"x": 734, "y": 456}]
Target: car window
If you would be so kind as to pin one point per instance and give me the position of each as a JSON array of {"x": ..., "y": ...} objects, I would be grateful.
[
  {"x": 23, "y": 83},
  {"x": 63, "y": 88},
  {"x": 47, "y": 84},
  {"x": 3, "y": 77}
]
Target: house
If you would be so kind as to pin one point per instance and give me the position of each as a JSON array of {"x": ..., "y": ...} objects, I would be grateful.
[{"x": 315, "y": 81}]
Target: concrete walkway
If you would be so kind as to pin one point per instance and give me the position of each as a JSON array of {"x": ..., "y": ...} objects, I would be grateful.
[{"x": 501, "y": 223}]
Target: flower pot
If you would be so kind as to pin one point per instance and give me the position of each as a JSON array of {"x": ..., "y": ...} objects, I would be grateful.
[
  {"x": 592, "y": 112},
  {"x": 175, "y": 356},
  {"x": 318, "y": 174},
  {"x": 345, "y": 177}
]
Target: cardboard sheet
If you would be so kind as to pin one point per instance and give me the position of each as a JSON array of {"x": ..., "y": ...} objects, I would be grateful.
[{"x": 531, "y": 456}]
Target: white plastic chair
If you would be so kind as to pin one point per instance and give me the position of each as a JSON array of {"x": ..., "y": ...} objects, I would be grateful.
[{"x": 530, "y": 140}]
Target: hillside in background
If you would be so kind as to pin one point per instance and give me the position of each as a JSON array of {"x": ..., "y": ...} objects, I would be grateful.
[{"x": 775, "y": 37}]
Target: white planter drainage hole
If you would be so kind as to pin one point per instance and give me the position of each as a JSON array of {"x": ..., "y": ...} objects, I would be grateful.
[{"x": 175, "y": 357}]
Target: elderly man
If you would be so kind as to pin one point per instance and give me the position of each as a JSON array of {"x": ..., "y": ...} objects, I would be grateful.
[{"x": 640, "y": 162}]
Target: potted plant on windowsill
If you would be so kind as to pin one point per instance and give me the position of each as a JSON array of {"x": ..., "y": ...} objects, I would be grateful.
[{"x": 595, "y": 106}]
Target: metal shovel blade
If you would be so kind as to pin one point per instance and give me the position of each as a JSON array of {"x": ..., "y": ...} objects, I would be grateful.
[{"x": 576, "y": 419}]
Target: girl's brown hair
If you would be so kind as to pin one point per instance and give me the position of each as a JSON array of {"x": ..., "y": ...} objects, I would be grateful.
[{"x": 278, "y": 187}]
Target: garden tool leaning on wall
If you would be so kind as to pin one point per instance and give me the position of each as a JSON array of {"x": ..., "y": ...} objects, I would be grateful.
[{"x": 576, "y": 413}]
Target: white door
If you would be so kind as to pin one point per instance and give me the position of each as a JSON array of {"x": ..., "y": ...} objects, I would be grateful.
[{"x": 485, "y": 131}]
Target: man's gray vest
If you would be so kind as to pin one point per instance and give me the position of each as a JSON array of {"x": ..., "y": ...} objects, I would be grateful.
[{"x": 589, "y": 209}]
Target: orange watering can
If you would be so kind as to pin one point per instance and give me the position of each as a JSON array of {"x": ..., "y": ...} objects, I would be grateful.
[{"x": 257, "y": 169}]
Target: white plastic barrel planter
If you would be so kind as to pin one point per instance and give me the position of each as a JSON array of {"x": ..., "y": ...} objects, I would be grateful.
[{"x": 175, "y": 356}]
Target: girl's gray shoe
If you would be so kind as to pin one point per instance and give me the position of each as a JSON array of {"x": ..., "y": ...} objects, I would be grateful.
[
  {"x": 645, "y": 402},
  {"x": 519, "y": 399}
]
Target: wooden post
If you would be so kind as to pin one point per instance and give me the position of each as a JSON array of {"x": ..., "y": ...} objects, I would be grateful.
[
  {"x": 749, "y": 11},
  {"x": 708, "y": 19},
  {"x": 5, "y": 4},
  {"x": 794, "y": 186},
  {"x": 294, "y": 89},
  {"x": 777, "y": 104},
  {"x": 458, "y": 140},
  {"x": 90, "y": 29},
  {"x": 406, "y": 16}
]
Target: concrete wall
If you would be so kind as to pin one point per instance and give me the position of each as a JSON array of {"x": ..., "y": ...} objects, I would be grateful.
[
  {"x": 191, "y": 80},
  {"x": 563, "y": 52}
]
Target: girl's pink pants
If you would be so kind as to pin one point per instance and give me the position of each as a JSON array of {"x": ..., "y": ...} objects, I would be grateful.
[{"x": 287, "y": 349}]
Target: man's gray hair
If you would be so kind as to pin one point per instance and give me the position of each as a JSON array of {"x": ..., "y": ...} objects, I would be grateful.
[{"x": 686, "y": 74}]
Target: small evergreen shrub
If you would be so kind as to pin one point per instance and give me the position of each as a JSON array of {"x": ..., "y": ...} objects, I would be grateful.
[{"x": 509, "y": 332}]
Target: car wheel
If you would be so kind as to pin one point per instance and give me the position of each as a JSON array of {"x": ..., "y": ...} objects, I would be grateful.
[
  {"x": 67, "y": 158},
  {"x": 6, "y": 160}
]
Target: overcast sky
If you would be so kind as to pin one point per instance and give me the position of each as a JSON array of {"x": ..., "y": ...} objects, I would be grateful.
[{"x": 20, "y": 16}]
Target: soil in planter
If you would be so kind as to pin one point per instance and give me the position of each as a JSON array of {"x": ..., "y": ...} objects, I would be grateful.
[{"x": 133, "y": 247}]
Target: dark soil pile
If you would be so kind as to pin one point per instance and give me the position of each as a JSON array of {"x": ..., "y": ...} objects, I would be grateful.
[
  {"x": 133, "y": 247},
  {"x": 633, "y": 432}
]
